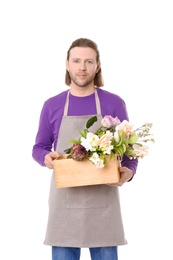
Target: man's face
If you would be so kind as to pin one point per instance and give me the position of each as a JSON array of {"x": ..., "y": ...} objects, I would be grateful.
[{"x": 82, "y": 66}]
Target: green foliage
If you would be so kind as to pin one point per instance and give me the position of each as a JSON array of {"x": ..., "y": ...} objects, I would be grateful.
[{"x": 91, "y": 121}]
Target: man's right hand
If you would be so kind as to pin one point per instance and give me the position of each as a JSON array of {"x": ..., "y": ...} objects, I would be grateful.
[{"x": 48, "y": 159}]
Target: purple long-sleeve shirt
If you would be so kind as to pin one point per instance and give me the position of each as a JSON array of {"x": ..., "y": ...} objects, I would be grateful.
[{"x": 52, "y": 112}]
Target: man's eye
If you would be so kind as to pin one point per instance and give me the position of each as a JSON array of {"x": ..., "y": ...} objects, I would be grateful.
[
  {"x": 75, "y": 61},
  {"x": 90, "y": 61}
]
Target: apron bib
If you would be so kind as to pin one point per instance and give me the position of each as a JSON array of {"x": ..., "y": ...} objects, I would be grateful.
[{"x": 88, "y": 216}]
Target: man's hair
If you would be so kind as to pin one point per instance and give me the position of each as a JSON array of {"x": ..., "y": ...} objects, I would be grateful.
[{"x": 84, "y": 42}]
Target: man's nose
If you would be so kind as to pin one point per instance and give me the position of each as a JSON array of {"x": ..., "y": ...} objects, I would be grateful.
[{"x": 82, "y": 66}]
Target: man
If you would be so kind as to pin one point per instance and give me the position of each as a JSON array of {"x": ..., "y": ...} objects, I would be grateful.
[{"x": 88, "y": 216}]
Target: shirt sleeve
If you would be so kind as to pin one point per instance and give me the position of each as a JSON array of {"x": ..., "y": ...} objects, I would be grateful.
[
  {"x": 129, "y": 163},
  {"x": 44, "y": 138},
  {"x": 123, "y": 115}
]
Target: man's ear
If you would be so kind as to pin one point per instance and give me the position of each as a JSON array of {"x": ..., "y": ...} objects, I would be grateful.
[
  {"x": 98, "y": 68},
  {"x": 67, "y": 65}
]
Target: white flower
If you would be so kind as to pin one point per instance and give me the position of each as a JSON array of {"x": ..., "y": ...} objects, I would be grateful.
[
  {"x": 116, "y": 137},
  {"x": 125, "y": 127},
  {"x": 96, "y": 160},
  {"x": 91, "y": 142},
  {"x": 140, "y": 151},
  {"x": 105, "y": 142}
]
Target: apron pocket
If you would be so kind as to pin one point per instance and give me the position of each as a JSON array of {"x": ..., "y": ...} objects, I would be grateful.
[{"x": 95, "y": 196}]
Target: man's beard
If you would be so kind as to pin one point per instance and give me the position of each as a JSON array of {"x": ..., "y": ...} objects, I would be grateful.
[{"x": 82, "y": 83}]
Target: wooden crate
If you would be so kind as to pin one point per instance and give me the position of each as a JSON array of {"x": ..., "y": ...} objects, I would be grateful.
[{"x": 71, "y": 173}]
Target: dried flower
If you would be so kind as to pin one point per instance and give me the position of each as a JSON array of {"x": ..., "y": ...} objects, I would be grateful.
[{"x": 78, "y": 152}]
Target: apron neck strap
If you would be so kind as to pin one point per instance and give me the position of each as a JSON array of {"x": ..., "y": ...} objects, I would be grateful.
[{"x": 98, "y": 108}]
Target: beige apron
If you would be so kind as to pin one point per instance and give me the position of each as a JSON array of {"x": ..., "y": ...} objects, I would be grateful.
[{"x": 88, "y": 216}]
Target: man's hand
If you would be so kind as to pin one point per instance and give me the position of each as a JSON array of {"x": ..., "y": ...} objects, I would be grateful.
[
  {"x": 48, "y": 159},
  {"x": 125, "y": 175}
]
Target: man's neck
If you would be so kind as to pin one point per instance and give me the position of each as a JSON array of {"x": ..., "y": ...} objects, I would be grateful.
[{"x": 82, "y": 91}]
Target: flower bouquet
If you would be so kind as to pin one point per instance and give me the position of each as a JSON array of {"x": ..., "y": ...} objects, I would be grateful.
[{"x": 95, "y": 157}]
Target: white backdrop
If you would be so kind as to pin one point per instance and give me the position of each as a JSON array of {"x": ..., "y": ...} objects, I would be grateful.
[{"x": 135, "y": 42}]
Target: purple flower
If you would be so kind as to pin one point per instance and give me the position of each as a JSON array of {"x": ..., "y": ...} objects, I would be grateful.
[{"x": 109, "y": 121}]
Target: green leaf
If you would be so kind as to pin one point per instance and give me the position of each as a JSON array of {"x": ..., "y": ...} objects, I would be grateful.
[
  {"x": 73, "y": 141},
  {"x": 112, "y": 155},
  {"x": 121, "y": 138},
  {"x": 83, "y": 133},
  {"x": 91, "y": 121},
  {"x": 133, "y": 138},
  {"x": 124, "y": 147},
  {"x": 67, "y": 151},
  {"x": 120, "y": 151}
]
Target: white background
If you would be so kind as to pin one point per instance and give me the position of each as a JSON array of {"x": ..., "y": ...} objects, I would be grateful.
[{"x": 135, "y": 42}]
